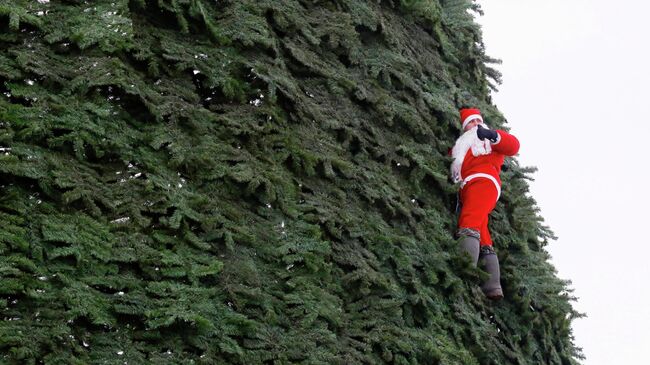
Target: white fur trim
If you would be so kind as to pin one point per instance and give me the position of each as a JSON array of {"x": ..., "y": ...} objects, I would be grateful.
[
  {"x": 470, "y": 118},
  {"x": 463, "y": 144},
  {"x": 482, "y": 175},
  {"x": 498, "y": 139}
]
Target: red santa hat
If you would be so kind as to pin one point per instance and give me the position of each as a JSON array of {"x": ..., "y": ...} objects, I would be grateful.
[{"x": 467, "y": 115}]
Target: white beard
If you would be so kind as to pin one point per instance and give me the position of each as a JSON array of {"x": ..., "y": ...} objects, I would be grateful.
[{"x": 466, "y": 141}]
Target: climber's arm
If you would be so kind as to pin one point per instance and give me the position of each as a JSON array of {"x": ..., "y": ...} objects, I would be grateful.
[{"x": 506, "y": 144}]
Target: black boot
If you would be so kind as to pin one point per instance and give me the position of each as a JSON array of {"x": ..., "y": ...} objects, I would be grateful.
[{"x": 492, "y": 287}]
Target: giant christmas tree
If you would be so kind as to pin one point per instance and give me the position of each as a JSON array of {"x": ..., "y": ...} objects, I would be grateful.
[{"x": 255, "y": 182}]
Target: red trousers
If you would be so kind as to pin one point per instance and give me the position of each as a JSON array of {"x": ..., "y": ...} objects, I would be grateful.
[{"x": 478, "y": 198}]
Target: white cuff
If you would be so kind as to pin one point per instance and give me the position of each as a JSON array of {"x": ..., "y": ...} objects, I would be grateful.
[{"x": 498, "y": 139}]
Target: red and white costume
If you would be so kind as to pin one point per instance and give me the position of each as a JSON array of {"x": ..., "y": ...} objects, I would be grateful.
[{"x": 476, "y": 166}]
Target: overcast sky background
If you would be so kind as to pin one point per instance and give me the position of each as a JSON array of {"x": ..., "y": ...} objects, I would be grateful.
[{"x": 576, "y": 90}]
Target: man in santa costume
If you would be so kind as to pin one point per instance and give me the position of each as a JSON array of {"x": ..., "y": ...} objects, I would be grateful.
[{"x": 478, "y": 156}]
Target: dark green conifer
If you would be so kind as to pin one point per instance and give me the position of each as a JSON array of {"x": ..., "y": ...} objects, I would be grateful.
[{"x": 254, "y": 182}]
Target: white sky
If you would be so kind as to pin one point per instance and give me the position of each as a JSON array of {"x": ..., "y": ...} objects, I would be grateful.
[{"x": 576, "y": 90}]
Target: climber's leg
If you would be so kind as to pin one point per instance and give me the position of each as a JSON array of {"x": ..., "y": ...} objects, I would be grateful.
[
  {"x": 469, "y": 243},
  {"x": 478, "y": 199},
  {"x": 492, "y": 287}
]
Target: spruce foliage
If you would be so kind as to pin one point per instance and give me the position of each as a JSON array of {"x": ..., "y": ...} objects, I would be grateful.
[{"x": 255, "y": 182}]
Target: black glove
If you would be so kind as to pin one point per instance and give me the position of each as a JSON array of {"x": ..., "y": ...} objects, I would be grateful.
[{"x": 483, "y": 133}]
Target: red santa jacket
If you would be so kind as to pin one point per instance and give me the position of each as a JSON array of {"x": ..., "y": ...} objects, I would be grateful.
[
  {"x": 507, "y": 145},
  {"x": 481, "y": 159}
]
